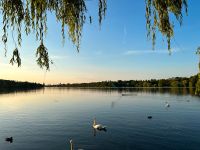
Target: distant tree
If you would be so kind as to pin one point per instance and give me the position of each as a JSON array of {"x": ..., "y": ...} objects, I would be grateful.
[
  {"x": 154, "y": 83},
  {"x": 197, "y": 90},
  {"x": 185, "y": 83},
  {"x": 145, "y": 84},
  {"x": 193, "y": 81},
  {"x": 161, "y": 83},
  {"x": 174, "y": 83},
  {"x": 119, "y": 83},
  {"x": 132, "y": 83}
]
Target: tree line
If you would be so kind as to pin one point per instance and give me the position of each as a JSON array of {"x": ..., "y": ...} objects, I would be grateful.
[
  {"x": 171, "y": 82},
  {"x": 16, "y": 85}
]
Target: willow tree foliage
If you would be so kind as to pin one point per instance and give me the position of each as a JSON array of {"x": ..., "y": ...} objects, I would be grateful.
[
  {"x": 30, "y": 16},
  {"x": 158, "y": 14}
]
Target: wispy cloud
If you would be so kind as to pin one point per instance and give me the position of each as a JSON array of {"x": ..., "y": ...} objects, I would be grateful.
[
  {"x": 98, "y": 53},
  {"x": 58, "y": 57},
  {"x": 124, "y": 35},
  {"x": 143, "y": 52}
]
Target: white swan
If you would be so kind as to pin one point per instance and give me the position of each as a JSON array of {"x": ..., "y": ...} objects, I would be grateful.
[
  {"x": 98, "y": 126},
  {"x": 72, "y": 146},
  {"x": 167, "y": 104}
]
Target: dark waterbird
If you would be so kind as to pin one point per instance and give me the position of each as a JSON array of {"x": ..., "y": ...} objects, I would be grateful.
[
  {"x": 149, "y": 117},
  {"x": 9, "y": 139},
  {"x": 129, "y": 94}
]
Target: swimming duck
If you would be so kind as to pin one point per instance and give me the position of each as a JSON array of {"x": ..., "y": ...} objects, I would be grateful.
[{"x": 9, "y": 139}]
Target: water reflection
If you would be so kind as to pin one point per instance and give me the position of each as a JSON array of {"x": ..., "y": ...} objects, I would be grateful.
[
  {"x": 114, "y": 103},
  {"x": 122, "y": 91},
  {"x": 95, "y": 131},
  {"x": 135, "y": 91},
  {"x": 14, "y": 90}
]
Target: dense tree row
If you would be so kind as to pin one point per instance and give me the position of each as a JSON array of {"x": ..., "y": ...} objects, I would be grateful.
[
  {"x": 171, "y": 82},
  {"x": 14, "y": 85}
]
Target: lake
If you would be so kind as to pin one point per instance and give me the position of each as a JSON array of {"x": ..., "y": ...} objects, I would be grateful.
[{"x": 47, "y": 119}]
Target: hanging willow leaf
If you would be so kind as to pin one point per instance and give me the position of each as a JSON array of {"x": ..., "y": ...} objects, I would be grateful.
[
  {"x": 16, "y": 58},
  {"x": 158, "y": 17},
  {"x": 42, "y": 57},
  {"x": 30, "y": 16},
  {"x": 90, "y": 19},
  {"x": 102, "y": 10}
]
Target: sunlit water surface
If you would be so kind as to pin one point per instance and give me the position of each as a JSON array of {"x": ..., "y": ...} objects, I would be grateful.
[{"x": 47, "y": 119}]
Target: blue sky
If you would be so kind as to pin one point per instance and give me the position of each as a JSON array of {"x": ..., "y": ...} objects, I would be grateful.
[{"x": 119, "y": 50}]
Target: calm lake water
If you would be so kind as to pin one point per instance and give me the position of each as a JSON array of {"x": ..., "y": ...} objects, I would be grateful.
[{"x": 47, "y": 119}]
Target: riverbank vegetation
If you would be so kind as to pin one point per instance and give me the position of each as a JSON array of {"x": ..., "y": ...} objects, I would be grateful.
[
  {"x": 171, "y": 82},
  {"x": 9, "y": 85}
]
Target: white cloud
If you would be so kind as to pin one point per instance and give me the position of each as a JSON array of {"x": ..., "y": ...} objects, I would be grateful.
[
  {"x": 58, "y": 57},
  {"x": 142, "y": 52}
]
